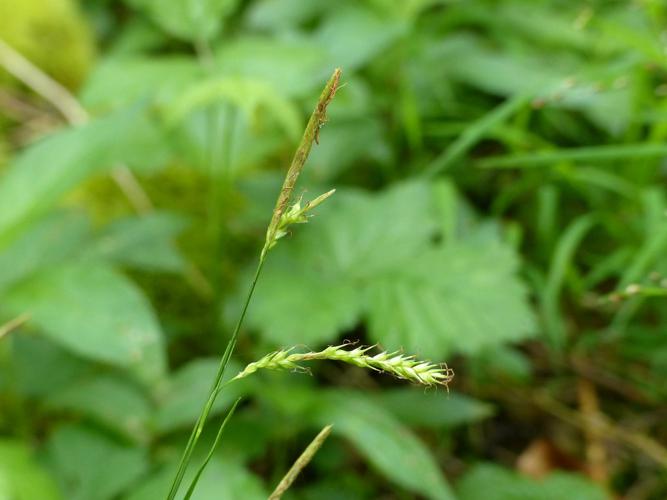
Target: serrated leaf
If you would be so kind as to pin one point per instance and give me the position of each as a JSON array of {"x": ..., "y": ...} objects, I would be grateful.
[
  {"x": 459, "y": 297},
  {"x": 21, "y": 478},
  {"x": 96, "y": 312},
  {"x": 389, "y": 446},
  {"x": 378, "y": 257},
  {"x": 491, "y": 482},
  {"x": 90, "y": 465}
]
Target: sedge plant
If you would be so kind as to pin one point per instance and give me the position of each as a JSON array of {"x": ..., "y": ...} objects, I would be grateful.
[{"x": 285, "y": 214}]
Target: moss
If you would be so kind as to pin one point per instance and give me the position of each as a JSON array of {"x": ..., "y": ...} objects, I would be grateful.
[{"x": 53, "y": 34}]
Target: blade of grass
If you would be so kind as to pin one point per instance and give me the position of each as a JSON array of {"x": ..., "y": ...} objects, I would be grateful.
[
  {"x": 300, "y": 464},
  {"x": 13, "y": 324},
  {"x": 472, "y": 134},
  {"x": 560, "y": 263},
  {"x": 310, "y": 135},
  {"x": 585, "y": 154},
  {"x": 195, "y": 480}
]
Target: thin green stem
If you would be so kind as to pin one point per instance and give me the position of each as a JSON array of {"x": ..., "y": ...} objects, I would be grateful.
[
  {"x": 215, "y": 388},
  {"x": 195, "y": 479},
  {"x": 300, "y": 464},
  {"x": 310, "y": 135}
]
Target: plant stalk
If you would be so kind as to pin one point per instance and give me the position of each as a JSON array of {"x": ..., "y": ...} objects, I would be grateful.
[
  {"x": 301, "y": 462},
  {"x": 310, "y": 135}
]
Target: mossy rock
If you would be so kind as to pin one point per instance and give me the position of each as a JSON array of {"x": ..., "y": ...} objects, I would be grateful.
[{"x": 53, "y": 34}]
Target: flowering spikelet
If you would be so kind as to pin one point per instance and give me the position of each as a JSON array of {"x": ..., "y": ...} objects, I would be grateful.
[
  {"x": 393, "y": 363},
  {"x": 296, "y": 214},
  {"x": 310, "y": 135}
]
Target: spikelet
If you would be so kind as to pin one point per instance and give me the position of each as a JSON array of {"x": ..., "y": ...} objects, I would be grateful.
[
  {"x": 280, "y": 218},
  {"x": 393, "y": 363}
]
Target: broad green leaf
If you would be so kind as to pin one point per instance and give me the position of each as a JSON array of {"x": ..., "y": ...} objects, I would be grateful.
[
  {"x": 433, "y": 409},
  {"x": 491, "y": 482},
  {"x": 96, "y": 312},
  {"x": 462, "y": 297},
  {"x": 383, "y": 258},
  {"x": 42, "y": 367},
  {"x": 21, "y": 478},
  {"x": 193, "y": 20},
  {"x": 90, "y": 465},
  {"x": 48, "y": 169},
  {"x": 108, "y": 400},
  {"x": 145, "y": 242},
  {"x": 355, "y": 35},
  {"x": 45, "y": 243},
  {"x": 390, "y": 447},
  {"x": 181, "y": 397}
]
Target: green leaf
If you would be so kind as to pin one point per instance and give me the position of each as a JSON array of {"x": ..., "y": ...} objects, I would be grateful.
[
  {"x": 42, "y": 367},
  {"x": 390, "y": 447},
  {"x": 45, "y": 243},
  {"x": 383, "y": 257},
  {"x": 50, "y": 168},
  {"x": 193, "y": 20},
  {"x": 145, "y": 242},
  {"x": 433, "y": 409},
  {"x": 491, "y": 482},
  {"x": 20, "y": 477},
  {"x": 96, "y": 312},
  {"x": 90, "y": 465},
  {"x": 461, "y": 297},
  {"x": 355, "y": 35},
  {"x": 108, "y": 400}
]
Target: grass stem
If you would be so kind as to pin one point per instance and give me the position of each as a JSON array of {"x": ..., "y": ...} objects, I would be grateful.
[
  {"x": 310, "y": 135},
  {"x": 301, "y": 462}
]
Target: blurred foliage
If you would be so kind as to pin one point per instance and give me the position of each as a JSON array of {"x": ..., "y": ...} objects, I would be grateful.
[
  {"x": 500, "y": 172},
  {"x": 54, "y": 34}
]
